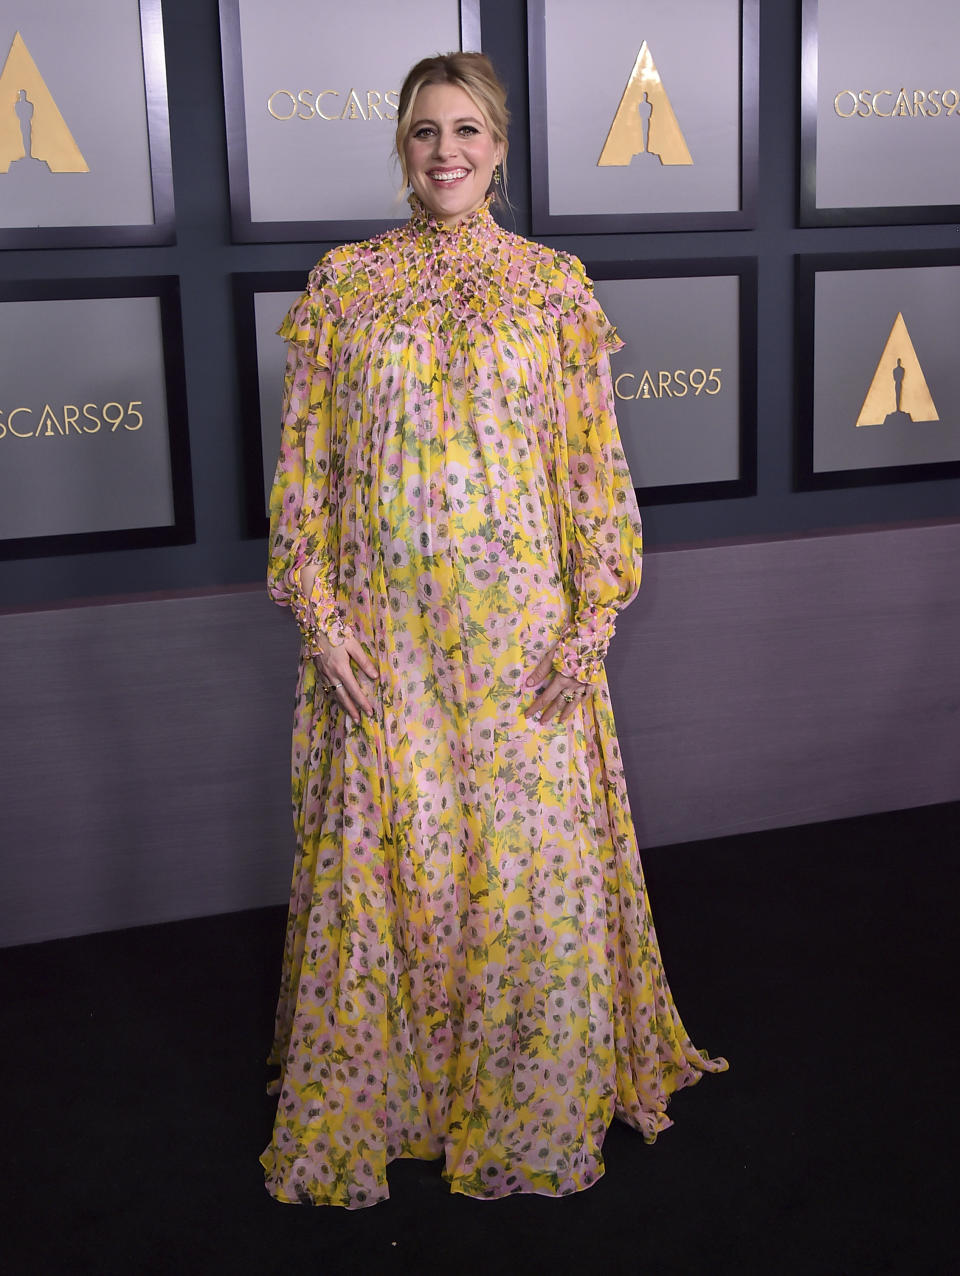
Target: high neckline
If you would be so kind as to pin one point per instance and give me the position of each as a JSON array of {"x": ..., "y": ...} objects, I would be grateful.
[{"x": 423, "y": 220}]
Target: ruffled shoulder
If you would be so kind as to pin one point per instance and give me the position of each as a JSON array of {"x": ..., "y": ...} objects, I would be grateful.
[
  {"x": 585, "y": 331},
  {"x": 311, "y": 322}
]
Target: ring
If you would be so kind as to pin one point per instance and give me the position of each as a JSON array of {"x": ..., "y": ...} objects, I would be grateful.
[
  {"x": 568, "y": 696},
  {"x": 333, "y": 686}
]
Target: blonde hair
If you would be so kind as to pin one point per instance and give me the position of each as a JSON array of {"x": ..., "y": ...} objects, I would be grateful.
[{"x": 472, "y": 72}]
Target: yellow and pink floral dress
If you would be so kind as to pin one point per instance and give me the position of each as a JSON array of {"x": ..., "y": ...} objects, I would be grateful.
[{"x": 470, "y": 971}]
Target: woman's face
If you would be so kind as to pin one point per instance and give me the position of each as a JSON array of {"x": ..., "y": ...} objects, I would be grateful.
[{"x": 450, "y": 152}]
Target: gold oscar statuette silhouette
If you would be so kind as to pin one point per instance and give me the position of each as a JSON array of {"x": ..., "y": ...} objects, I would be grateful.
[
  {"x": 32, "y": 130},
  {"x": 644, "y": 123},
  {"x": 898, "y": 392}
]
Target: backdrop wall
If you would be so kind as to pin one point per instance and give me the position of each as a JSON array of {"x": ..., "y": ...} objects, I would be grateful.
[
  {"x": 755, "y": 686},
  {"x": 805, "y": 671}
]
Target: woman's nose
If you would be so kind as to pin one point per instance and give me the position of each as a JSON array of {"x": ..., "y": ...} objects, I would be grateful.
[{"x": 446, "y": 145}]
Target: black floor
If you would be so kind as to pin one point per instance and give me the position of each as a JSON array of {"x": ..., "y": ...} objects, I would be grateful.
[{"x": 821, "y": 960}]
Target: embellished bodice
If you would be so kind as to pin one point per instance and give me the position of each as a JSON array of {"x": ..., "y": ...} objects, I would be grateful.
[{"x": 442, "y": 277}]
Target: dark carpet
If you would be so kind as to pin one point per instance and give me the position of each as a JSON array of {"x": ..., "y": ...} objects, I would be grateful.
[{"x": 821, "y": 960}]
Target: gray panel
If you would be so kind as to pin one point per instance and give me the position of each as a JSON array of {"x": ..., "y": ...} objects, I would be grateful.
[
  {"x": 69, "y": 469},
  {"x": 146, "y": 745},
  {"x": 590, "y": 53},
  {"x": 759, "y": 686},
  {"x": 883, "y": 45},
  {"x": 672, "y": 431},
  {"x": 269, "y": 309},
  {"x": 855, "y": 310},
  {"x": 91, "y": 60},
  {"x": 146, "y": 763},
  {"x": 315, "y": 169}
]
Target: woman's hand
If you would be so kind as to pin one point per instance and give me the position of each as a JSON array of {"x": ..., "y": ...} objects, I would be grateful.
[
  {"x": 559, "y": 696},
  {"x": 338, "y": 677}
]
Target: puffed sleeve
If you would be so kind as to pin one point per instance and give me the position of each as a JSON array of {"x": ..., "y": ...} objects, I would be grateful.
[
  {"x": 303, "y": 487},
  {"x": 604, "y": 536}
]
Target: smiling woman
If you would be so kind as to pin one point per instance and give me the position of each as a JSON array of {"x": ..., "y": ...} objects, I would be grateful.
[
  {"x": 450, "y": 152},
  {"x": 471, "y": 971}
]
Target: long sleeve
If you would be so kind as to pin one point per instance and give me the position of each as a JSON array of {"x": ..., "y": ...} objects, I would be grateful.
[
  {"x": 302, "y": 498},
  {"x": 605, "y": 540}
]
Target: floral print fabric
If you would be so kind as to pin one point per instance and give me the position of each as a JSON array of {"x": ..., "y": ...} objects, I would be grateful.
[{"x": 470, "y": 970}]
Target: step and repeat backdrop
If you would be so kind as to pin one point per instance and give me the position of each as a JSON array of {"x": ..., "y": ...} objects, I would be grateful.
[
  {"x": 641, "y": 119},
  {"x": 772, "y": 224}
]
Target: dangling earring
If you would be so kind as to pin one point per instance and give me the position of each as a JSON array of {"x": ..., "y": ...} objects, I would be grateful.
[{"x": 496, "y": 175}]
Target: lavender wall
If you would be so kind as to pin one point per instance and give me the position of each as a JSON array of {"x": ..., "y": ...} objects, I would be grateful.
[{"x": 756, "y": 685}]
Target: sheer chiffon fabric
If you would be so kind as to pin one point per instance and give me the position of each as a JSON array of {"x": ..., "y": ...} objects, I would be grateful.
[{"x": 471, "y": 970}]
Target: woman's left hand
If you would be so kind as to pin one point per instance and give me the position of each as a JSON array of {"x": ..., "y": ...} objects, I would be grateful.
[{"x": 558, "y": 695}]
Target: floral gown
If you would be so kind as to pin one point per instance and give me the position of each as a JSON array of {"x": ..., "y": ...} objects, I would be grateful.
[{"x": 470, "y": 970}]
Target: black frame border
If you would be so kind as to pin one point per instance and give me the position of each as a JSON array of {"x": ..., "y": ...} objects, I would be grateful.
[
  {"x": 162, "y": 230},
  {"x": 244, "y": 229},
  {"x": 246, "y": 285},
  {"x": 546, "y": 223},
  {"x": 745, "y": 268},
  {"x": 806, "y": 268},
  {"x": 182, "y": 530},
  {"x": 808, "y": 212}
]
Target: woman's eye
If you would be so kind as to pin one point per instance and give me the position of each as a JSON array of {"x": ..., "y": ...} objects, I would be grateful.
[
  {"x": 469, "y": 129},
  {"x": 423, "y": 132}
]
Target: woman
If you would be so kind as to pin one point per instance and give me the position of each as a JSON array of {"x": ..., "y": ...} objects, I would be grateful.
[{"x": 470, "y": 967}]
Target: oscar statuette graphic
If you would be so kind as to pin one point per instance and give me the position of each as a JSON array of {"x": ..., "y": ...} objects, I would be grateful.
[
  {"x": 644, "y": 123},
  {"x": 33, "y": 133},
  {"x": 898, "y": 393}
]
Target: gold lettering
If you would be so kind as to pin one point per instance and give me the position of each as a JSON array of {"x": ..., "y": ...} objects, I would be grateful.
[
  {"x": 52, "y": 425},
  {"x": 302, "y": 99},
  {"x": 876, "y": 109},
  {"x": 373, "y": 107},
  {"x": 282, "y": 93},
  {"x": 326, "y": 93},
  {"x": 644, "y": 121},
  {"x": 616, "y": 385},
  {"x": 354, "y": 107},
  {"x": 392, "y": 99},
  {"x": 49, "y": 419},
  {"x": 909, "y": 104},
  {"x": 663, "y": 383},
  {"x": 113, "y": 419},
  {"x": 16, "y": 412}
]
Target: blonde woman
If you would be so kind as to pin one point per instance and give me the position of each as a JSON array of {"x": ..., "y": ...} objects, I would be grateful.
[{"x": 471, "y": 972}]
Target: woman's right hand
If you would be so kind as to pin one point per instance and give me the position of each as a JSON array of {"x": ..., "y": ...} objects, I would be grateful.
[
  {"x": 336, "y": 668},
  {"x": 335, "y": 663}
]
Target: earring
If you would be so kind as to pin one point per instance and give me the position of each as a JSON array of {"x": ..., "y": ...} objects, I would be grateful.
[{"x": 496, "y": 175}]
